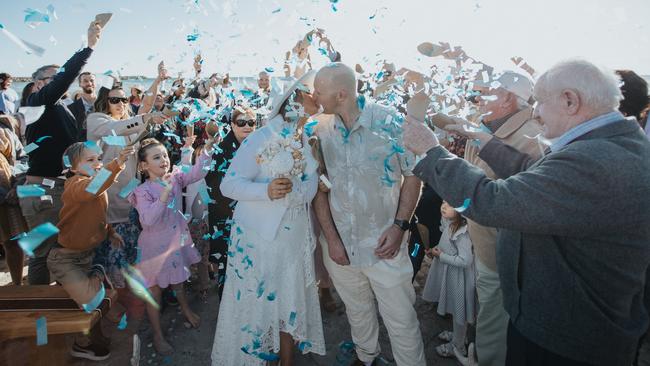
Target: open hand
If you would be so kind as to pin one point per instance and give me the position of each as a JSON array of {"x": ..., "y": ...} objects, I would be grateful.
[
  {"x": 125, "y": 153},
  {"x": 418, "y": 137}
]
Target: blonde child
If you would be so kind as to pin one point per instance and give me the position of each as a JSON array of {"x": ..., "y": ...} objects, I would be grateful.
[
  {"x": 451, "y": 281},
  {"x": 165, "y": 240},
  {"x": 83, "y": 227}
]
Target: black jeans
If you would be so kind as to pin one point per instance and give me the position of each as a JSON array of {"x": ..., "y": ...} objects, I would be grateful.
[{"x": 523, "y": 352}]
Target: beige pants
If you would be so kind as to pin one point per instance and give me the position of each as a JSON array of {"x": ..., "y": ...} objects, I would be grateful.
[
  {"x": 390, "y": 282},
  {"x": 72, "y": 270},
  {"x": 492, "y": 319}
]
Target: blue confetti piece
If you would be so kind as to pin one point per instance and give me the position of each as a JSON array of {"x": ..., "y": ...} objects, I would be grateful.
[
  {"x": 465, "y": 205},
  {"x": 292, "y": 318},
  {"x": 268, "y": 356},
  {"x": 238, "y": 295},
  {"x": 95, "y": 301},
  {"x": 29, "y": 148},
  {"x": 271, "y": 296},
  {"x": 122, "y": 324},
  {"x": 135, "y": 281},
  {"x": 133, "y": 183},
  {"x": 66, "y": 161},
  {"x": 304, "y": 346},
  {"x": 98, "y": 181},
  {"x": 309, "y": 128},
  {"x": 93, "y": 146},
  {"x": 260, "y": 289},
  {"x": 269, "y": 69},
  {"x": 193, "y": 36},
  {"x": 172, "y": 203},
  {"x": 174, "y": 136},
  {"x": 114, "y": 140},
  {"x": 41, "y": 331},
  {"x": 239, "y": 231},
  {"x": 361, "y": 102},
  {"x": 36, "y": 16},
  {"x": 36, "y": 236},
  {"x": 40, "y": 139},
  {"x": 415, "y": 251},
  {"x": 29, "y": 190},
  {"x": 204, "y": 195}
]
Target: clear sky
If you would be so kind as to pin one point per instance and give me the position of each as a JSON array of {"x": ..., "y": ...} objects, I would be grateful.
[{"x": 245, "y": 36}]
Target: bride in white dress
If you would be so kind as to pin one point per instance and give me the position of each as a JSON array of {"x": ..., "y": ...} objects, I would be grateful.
[{"x": 270, "y": 299}]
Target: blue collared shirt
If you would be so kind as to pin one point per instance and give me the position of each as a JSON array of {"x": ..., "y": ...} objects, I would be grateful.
[{"x": 586, "y": 127}]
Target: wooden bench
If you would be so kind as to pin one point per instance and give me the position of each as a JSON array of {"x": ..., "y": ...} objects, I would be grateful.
[{"x": 20, "y": 306}]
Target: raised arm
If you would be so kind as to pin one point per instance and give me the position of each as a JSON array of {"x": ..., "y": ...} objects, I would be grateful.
[
  {"x": 528, "y": 201},
  {"x": 150, "y": 94},
  {"x": 504, "y": 159},
  {"x": 77, "y": 189},
  {"x": 55, "y": 89}
]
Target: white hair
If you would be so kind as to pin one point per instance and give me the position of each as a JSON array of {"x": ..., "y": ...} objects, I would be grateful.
[{"x": 598, "y": 88}]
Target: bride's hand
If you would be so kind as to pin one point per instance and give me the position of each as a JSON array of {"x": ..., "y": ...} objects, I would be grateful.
[{"x": 278, "y": 188}]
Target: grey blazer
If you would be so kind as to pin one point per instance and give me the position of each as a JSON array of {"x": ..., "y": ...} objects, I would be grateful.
[{"x": 574, "y": 243}]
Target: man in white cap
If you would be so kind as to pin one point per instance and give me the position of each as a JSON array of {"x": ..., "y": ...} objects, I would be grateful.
[
  {"x": 507, "y": 115},
  {"x": 365, "y": 216}
]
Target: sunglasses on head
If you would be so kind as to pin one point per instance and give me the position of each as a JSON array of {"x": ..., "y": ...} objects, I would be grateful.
[
  {"x": 116, "y": 100},
  {"x": 243, "y": 122}
]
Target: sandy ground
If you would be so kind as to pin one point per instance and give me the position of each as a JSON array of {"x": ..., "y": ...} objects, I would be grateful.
[{"x": 194, "y": 346}]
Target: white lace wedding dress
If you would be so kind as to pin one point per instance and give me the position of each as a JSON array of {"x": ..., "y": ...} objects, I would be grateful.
[{"x": 270, "y": 286}]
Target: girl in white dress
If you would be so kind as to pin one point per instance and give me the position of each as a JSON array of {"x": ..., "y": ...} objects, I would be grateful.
[{"x": 270, "y": 298}]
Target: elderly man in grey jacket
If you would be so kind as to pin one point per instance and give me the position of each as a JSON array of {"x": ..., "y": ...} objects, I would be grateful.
[{"x": 574, "y": 244}]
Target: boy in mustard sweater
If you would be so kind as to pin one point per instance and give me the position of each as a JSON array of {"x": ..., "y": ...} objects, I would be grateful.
[{"x": 82, "y": 227}]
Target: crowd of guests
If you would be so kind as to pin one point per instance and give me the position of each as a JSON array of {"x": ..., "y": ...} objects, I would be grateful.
[{"x": 526, "y": 192}]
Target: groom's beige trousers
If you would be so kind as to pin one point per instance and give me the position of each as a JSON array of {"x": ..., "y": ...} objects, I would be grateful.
[{"x": 390, "y": 282}]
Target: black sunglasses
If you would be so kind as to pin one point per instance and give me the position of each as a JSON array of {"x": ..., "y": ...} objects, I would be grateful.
[
  {"x": 116, "y": 100},
  {"x": 243, "y": 122}
]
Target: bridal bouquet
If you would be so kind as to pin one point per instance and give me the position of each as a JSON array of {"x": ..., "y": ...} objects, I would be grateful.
[{"x": 284, "y": 156}]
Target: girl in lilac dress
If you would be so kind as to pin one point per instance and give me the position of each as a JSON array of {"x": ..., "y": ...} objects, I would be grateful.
[{"x": 166, "y": 243}]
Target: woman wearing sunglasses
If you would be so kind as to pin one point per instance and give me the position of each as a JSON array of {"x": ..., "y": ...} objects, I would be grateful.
[
  {"x": 113, "y": 124},
  {"x": 242, "y": 124}
]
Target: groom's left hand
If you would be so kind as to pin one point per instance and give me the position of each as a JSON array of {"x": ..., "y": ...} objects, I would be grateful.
[{"x": 389, "y": 243}]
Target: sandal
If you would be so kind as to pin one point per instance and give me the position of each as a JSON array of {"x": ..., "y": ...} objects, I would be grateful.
[
  {"x": 446, "y": 335},
  {"x": 445, "y": 350}
]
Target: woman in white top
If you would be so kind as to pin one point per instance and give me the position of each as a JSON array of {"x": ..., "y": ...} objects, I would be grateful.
[
  {"x": 112, "y": 126},
  {"x": 270, "y": 298}
]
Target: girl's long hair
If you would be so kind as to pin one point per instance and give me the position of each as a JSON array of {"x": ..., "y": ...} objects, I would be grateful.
[{"x": 457, "y": 222}]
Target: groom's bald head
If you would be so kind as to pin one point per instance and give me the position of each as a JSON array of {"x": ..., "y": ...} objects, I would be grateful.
[{"x": 334, "y": 85}]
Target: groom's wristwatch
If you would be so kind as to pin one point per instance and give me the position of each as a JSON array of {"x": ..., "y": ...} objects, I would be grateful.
[{"x": 402, "y": 224}]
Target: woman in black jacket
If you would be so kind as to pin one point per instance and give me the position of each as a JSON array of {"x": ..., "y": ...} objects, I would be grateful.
[{"x": 220, "y": 211}]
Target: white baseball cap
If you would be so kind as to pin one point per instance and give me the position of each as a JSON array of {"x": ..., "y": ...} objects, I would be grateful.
[{"x": 516, "y": 83}]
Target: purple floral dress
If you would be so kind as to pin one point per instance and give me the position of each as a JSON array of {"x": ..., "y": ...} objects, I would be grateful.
[{"x": 167, "y": 251}]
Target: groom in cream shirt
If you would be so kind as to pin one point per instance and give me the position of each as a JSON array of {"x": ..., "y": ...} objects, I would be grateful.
[{"x": 365, "y": 216}]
